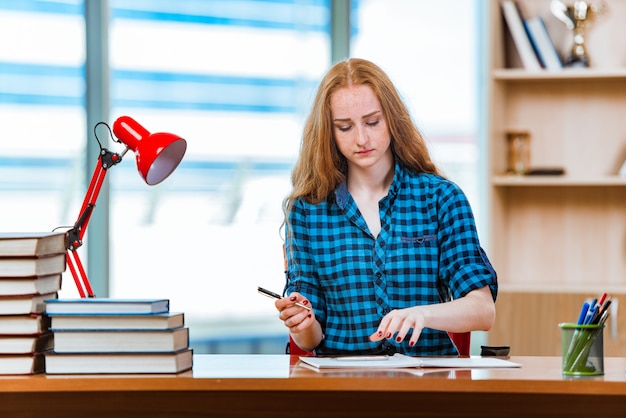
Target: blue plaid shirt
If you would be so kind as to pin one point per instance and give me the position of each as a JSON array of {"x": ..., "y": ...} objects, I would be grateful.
[{"x": 426, "y": 252}]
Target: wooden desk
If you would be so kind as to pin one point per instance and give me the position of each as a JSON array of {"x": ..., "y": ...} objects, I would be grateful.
[{"x": 272, "y": 386}]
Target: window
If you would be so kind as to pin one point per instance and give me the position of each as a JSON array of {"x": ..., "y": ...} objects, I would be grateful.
[
  {"x": 235, "y": 79},
  {"x": 430, "y": 50},
  {"x": 42, "y": 118}
]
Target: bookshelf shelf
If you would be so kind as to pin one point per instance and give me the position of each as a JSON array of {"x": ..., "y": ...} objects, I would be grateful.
[
  {"x": 567, "y": 74},
  {"x": 565, "y": 231},
  {"x": 557, "y": 181}
]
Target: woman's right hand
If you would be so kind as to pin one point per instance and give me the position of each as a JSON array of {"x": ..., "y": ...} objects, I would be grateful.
[{"x": 295, "y": 317}]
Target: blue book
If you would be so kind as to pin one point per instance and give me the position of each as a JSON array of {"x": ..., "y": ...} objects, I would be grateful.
[
  {"x": 166, "y": 320},
  {"x": 542, "y": 43},
  {"x": 107, "y": 306}
]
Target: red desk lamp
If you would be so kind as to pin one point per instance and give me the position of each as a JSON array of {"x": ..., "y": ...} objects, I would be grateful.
[{"x": 158, "y": 155}]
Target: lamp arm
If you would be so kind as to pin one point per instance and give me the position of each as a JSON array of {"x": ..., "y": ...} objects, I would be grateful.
[{"x": 106, "y": 160}]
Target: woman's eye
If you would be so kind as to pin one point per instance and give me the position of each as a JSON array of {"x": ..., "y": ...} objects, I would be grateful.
[
  {"x": 373, "y": 123},
  {"x": 344, "y": 128}
]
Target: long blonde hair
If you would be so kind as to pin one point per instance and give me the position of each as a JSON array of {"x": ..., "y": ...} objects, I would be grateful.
[{"x": 321, "y": 167}]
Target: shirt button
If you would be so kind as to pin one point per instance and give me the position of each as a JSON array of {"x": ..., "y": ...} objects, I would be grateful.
[{"x": 378, "y": 274}]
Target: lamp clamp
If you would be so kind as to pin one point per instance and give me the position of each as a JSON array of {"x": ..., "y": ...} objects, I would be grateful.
[{"x": 108, "y": 159}]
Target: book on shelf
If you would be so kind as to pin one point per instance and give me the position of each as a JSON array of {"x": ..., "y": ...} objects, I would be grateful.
[
  {"x": 32, "y": 285},
  {"x": 515, "y": 23},
  {"x": 107, "y": 306},
  {"x": 22, "y": 363},
  {"x": 24, "y": 324},
  {"x": 26, "y": 344},
  {"x": 103, "y": 341},
  {"x": 24, "y": 304},
  {"x": 119, "y": 363},
  {"x": 542, "y": 43},
  {"x": 32, "y": 266},
  {"x": 167, "y": 320},
  {"x": 31, "y": 244}
]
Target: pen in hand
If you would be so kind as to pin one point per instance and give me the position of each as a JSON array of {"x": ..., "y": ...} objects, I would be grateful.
[{"x": 273, "y": 295}]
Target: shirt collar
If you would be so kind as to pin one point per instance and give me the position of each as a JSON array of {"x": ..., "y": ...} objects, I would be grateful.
[{"x": 341, "y": 193}]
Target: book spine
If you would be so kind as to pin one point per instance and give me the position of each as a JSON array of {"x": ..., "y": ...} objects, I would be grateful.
[
  {"x": 516, "y": 27},
  {"x": 546, "y": 50}
]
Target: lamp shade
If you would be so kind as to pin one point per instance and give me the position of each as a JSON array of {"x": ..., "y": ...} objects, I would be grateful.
[{"x": 158, "y": 154}]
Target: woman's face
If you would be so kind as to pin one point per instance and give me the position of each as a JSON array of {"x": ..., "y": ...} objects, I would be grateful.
[{"x": 360, "y": 127}]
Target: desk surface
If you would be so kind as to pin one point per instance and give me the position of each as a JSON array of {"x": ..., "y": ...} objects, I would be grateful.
[{"x": 271, "y": 385}]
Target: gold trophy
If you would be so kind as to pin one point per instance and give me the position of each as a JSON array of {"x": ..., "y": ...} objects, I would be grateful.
[{"x": 576, "y": 16}]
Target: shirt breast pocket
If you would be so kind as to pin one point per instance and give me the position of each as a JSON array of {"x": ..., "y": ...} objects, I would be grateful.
[
  {"x": 417, "y": 251},
  {"x": 418, "y": 240}
]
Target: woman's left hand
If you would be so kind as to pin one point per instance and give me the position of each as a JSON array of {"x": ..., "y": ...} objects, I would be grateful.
[
  {"x": 399, "y": 322},
  {"x": 474, "y": 311}
]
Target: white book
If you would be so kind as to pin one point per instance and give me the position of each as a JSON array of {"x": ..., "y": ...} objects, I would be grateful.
[
  {"x": 32, "y": 285},
  {"x": 403, "y": 361},
  {"x": 119, "y": 363},
  {"x": 21, "y": 363},
  {"x": 25, "y": 344},
  {"x": 540, "y": 39},
  {"x": 23, "y": 305},
  {"x": 516, "y": 27},
  {"x": 107, "y": 306},
  {"x": 31, "y": 244},
  {"x": 165, "y": 320},
  {"x": 126, "y": 341},
  {"x": 24, "y": 324}
]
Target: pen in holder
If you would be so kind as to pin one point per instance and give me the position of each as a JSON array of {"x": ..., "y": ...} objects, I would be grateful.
[{"x": 582, "y": 349}]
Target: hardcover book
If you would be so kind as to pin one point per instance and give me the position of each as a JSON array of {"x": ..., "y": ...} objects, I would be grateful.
[
  {"x": 107, "y": 306},
  {"x": 167, "y": 320},
  {"x": 34, "y": 285},
  {"x": 24, "y": 304},
  {"x": 31, "y": 244},
  {"x": 21, "y": 363},
  {"x": 119, "y": 363},
  {"x": 515, "y": 23},
  {"x": 542, "y": 43},
  {"x": 146, "y": 341},
  {"x": 24, "y": 324},
  {"x": 32, "y": 266},
  {"x": 25, "y": 344}
]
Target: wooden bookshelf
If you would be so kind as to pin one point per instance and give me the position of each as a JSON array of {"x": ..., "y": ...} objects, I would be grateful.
[{"x": 566, "y": 231}]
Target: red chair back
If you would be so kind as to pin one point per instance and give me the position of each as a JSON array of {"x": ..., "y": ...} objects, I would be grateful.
[{"x": 462, "y": 340}]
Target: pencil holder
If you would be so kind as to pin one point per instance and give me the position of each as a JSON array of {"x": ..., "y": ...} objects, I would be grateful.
[{"x": 582, "y": 349}]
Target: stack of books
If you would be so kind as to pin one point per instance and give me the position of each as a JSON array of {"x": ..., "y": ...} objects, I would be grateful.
[
  {"x": 103, "y": 335},
  {"x": 31, "y": 265}
]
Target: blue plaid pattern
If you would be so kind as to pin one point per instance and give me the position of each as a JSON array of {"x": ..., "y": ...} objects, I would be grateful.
[{"x": 428, "y": 242}]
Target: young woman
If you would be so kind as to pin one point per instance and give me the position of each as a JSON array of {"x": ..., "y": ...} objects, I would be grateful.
[{"x": 379, "y": 244}]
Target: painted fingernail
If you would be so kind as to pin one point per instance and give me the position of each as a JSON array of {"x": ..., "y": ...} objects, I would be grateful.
[
  {"x": 411, "y": 343},
  {"x": 309, "y": 315},
  {"x": 293, "y": 298},
  {"x": 380, "y": 333},
  {"x": 388, "y": 335},
  {"x": 305, "y": 302},
  {"x": 399, "y": 339}
]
